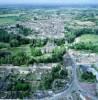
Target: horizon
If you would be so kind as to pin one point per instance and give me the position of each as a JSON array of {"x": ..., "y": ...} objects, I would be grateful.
[
  {"x": 50, "y": 2},
  {"x": 48, "y": 6}
]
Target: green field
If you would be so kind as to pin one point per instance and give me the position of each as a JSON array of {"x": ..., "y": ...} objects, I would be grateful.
[
  {"x": 88, "y": 42},
  {"x": 89, "y": 38},
  {"x": 9, "y": 15},
  {"x": 7, "y": 21},
  {"x": 25, "y": 48}
]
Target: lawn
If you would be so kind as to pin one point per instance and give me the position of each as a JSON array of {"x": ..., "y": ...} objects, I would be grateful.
[
  {"x": 24, "y": 48},
  {"x": 89, "y": 38},
  {"x": 7, "y": 21},
  {"x": 87, "y": 42},
  {"x": 9, "y": 15}
]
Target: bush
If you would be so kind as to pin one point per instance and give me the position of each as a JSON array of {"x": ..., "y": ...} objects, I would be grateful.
[
  {"x": 56, "y": 73},
  {"x": 4, "y": 36},
  {"x": 21, "y": 86},
  {"x": 55, "y": 56},
  {"x": 13, "y": 39},
  {"x": 4, "y": 45},
  {"x": 4, "y": 53},
  {"x": 14, "y": 43},
  {"x": 39, "y": 42},
  {"x": 20, "y": 58},
  {"x": 73, "y": 33},
  {"x": 6, "y": 60},
  {"x": 63, "y": 73},
  {"x": 85, "y": 46},
  {"x": 59, "y": 42},
  {"x": 88, "y": 76},
  {"x": 36, "y": 52},
  {"x": 23, "y": 30}
]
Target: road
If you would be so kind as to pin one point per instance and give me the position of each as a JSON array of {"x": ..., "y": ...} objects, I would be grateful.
[{"x": 74, "y": 86}]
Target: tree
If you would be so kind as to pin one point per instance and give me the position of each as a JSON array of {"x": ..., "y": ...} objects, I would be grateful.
[
  {"x": 4, "y": 45},
  {"x": 20, "y": 58},
  {"x": 14, "y": 43},
  {"x": 39, "y": 42},
  {"x": 4, "y": 36},
  {"x": 63, "y": 73},
  {"x": 21, "y": 86},
  {"x": 50, "y": 77},
  {"x": 88, "y": 76},
  {"x": 59, "y": 41},
  {"x": 35, "y": 18},
  {"x": 36, "y": 52}
]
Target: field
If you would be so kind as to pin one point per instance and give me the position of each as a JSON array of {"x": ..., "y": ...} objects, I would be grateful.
[
  {"x": 7, "y": 20},
  {"x": 87, "y": 42},
  {"x": 8, "y": 15},
  {"x": 88, "y": 38}
]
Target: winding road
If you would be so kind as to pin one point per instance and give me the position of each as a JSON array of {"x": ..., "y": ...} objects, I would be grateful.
[{"x": 74, "y": 86}]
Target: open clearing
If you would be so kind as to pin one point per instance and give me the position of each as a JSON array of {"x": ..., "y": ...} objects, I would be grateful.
[
  {"x": 88, "y": 38},
  {"x": 11, "y": 15},
  {"x": 7, "y": 21},
  {"x": 84, "y": 23}
]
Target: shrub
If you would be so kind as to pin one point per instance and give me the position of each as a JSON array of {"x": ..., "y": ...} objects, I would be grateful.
[
  {"x": 88, "y": 76},
  {"x": 4, "y": 45},
  {"x": 21, "y": 86},
  {"x": 59, "y": 42},
  {"x": 4, "y": 36},
  {"x": 14, "y": 43},
  {"x": 20, "y": 58},
  {"x": 56, "y": 73},
  {"x": 85, "y": 46},
  {"x": 39, "y": 42},
  {"x": 36, "y": 52}
]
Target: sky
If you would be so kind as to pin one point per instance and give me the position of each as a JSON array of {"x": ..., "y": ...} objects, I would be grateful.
[{"x": 48, "y": 1}]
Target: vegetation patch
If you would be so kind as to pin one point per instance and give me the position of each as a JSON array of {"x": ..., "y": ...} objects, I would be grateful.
[
  {"x": 85, "y": 76},
  {"x": 48, "y": 78},
  {"x": 87, "y": 42},
  {"x": 89, "y": 38},
  {"x": 88, "y": 77},
  {"x": 55, "y": 56},
  {"x": 5, "y": 20},
  {"x": 72, "y": 33}
]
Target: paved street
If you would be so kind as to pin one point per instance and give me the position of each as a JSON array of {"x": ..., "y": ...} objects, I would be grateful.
[{"x": 73, "y": 87}]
